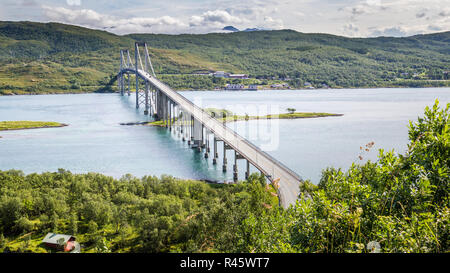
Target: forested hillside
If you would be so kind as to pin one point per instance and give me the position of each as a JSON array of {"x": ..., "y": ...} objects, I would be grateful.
[{"x": 58, "y": 58}]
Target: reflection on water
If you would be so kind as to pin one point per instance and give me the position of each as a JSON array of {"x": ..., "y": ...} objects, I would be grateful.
[{"x": 96, "y": 142}]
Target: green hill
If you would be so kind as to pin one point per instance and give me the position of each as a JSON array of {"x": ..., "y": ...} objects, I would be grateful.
[{"x": 54, "y": 58}]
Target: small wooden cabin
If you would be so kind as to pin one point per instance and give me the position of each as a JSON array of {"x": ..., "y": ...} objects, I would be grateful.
[{"x": 60, "y": 242}]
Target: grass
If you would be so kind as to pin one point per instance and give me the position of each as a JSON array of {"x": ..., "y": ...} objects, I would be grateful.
[
  {"x": 19, "y": 125},
  {"x": 279, "y": 116},
  {"x": 230, "y": 117}
]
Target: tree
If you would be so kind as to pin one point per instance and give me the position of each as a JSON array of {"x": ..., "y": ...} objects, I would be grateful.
[{"x": 291, "y": 110}]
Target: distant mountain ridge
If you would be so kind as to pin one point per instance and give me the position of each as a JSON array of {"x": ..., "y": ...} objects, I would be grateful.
[
  {"x": 233, "y": 29},
  {"x": 53, "y": 57}
]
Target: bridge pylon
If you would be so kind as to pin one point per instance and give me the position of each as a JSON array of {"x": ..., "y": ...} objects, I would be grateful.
[{"x": 144, "y": 94}]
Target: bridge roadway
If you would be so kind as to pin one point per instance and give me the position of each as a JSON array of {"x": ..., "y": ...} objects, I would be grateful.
[{"x": 289, "y": 181}]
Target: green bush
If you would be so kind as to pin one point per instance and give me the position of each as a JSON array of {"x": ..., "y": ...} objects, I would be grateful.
[{"x": 399, "y": 202}]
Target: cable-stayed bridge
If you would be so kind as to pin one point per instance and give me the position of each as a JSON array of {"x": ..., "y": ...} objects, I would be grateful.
[{"x": 196, "y": 125}]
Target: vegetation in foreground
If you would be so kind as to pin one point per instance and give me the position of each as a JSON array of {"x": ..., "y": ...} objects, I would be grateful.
[
  {"x": 19, "y": 125},
  {"x": 39, "y": 58},
  {"x": 400, "y": 203}
]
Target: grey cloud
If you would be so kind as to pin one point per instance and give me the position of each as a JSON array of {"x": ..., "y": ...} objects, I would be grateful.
[
  {"x": 420, "y": 14},
  {"x": 390, "y": 32}
]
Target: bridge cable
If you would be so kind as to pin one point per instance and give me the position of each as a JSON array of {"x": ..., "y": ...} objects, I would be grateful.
[{"x": 149, "y": 60}]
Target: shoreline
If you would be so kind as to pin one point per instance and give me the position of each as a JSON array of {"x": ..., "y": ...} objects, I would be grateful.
[
  {"x": 35, "y": 127},
  {"x": 223, "y": 90}
]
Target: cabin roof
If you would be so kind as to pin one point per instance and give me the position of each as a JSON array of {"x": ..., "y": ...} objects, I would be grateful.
[{"x": 53, "y": 238}]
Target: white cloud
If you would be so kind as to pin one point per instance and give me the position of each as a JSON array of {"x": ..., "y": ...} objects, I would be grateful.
[
  {"x": 272, "y": 23},
  {"x": 365, "y": 7},
  {"x": 93, "y": 19},
  {"x": 215, "y": 17}
]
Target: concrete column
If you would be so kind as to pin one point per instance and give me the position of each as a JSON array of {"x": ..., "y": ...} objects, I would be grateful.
[
  {"x": 128, "y": 91},
  {"x": 192, "y": 128},
  {"x": 179, "y": 121},
  {"x": 247, "y": 173},
  {"x": 206, "y": 143},
  {"x": 166, "y": 112},
  {"x": 174, "y": 116},
  {"x": 182, "y": 122},
  {"x": 136, "y": 71},
  {"x": 208, "y": 148},
  {"x": 161, "y": 106},
  {"x": 183, "y": 126},
  {"x": 119, "y": 76},
  {"x": 198, "y": 135},
  {"x": 146, "y": 98},
  {"x": 216, "y": 154},
  {"x": 189, "y": 129},
  {"x": 152, "y": 100},
  {"x": 224, "y": 167},
  {"x": 158, "y": 105},
  {"x": 235, "y": 168},
  {"x": 170, "y": 115},
  {"x": 202, "y": 140}
]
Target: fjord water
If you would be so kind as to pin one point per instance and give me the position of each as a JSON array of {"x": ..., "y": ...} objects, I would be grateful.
[{"x": 94, "y": 141}]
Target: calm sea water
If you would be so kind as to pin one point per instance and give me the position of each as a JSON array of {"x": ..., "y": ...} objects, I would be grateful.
[{"x": 95, "y": 142}]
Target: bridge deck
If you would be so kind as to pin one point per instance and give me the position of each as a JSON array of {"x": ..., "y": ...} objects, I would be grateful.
[{"x": 289, "y": 180}]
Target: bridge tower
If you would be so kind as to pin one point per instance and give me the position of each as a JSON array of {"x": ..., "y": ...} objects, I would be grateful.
[{"x": 144, "y": 94}]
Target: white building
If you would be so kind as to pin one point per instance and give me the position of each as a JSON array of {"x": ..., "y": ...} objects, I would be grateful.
[
  {"x": 234, "y": 87},
  {"x": 221, "y": 74},
  {"x": 238, "y": 76}
]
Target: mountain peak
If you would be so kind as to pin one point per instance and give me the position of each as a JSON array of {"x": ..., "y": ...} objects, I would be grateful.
[{"x": 231, "y": 28}]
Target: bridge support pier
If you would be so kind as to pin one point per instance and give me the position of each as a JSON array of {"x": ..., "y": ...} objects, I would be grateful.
[
  {"x": 197, "y": 135},
  {"x": 247, "y": 173},
  {"x": 137, "y": 75},
  {"x": 224, "y": 167},
  {"x": 183, "y": 126},
  {"x": 128, "y": 90},
  {"x": 206, "y": 143},
  {"x": 216, "y": 154},
  {"x": 235, "y": 167},
  {"x": 169, "y": 113},
  {"x": 146, "y": 98},
  {"x": 178, "y": 122},
  {"x": 166, "y": 112}
]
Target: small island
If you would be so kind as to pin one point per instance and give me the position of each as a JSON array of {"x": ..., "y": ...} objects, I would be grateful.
[
  {"x": 22, "y": 125},
  {"x": 228, "y": 116}
]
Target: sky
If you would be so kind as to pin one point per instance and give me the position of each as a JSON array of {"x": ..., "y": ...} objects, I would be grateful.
[{"x": 351, "y": 18}]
